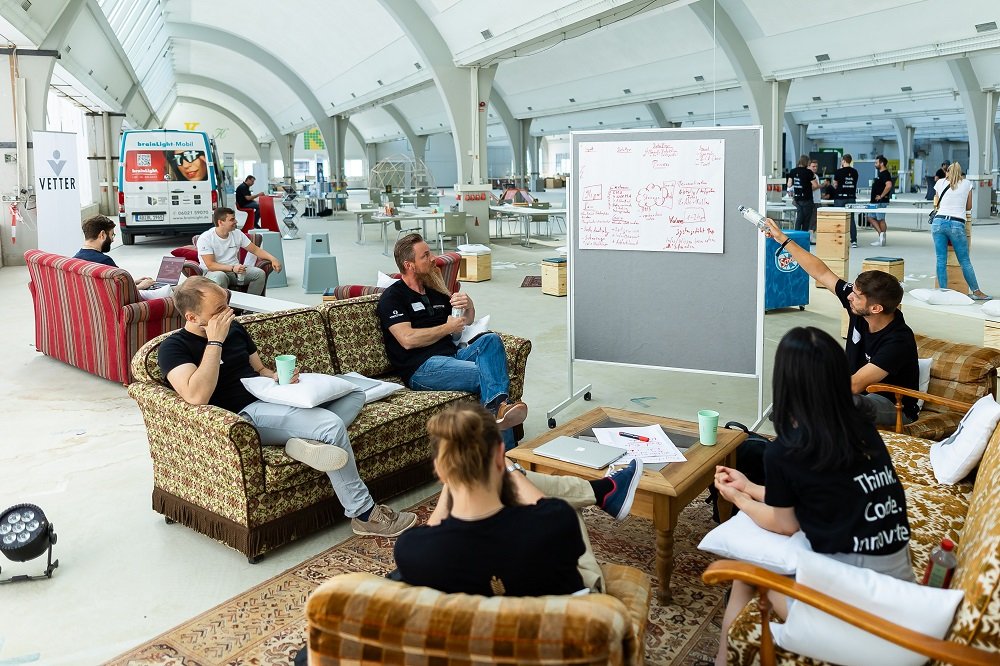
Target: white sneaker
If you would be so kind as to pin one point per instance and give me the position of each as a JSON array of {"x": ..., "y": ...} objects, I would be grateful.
[{"x": 318, "y": 455}]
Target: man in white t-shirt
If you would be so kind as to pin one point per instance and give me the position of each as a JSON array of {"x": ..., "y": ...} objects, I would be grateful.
[{"x": 218, "y": 254}]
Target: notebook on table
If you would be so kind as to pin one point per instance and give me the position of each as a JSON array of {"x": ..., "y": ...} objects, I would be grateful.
[
  {"x": 169, "y": 273},
  {"x": 580, "y": 452}
]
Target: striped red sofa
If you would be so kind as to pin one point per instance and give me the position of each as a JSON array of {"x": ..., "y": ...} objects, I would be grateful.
[
  {"x": 91, "y": 316},
  {"x": 449, "y": 263}
]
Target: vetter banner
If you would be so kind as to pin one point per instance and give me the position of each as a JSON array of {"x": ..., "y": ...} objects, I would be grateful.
[{"x": 56, "y": 192}]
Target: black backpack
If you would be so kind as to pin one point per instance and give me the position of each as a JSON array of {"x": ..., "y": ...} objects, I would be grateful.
[{"x": 749, "y": 460}]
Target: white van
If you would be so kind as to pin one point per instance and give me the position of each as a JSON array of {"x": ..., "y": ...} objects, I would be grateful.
[{"x": 167, "y": 183}]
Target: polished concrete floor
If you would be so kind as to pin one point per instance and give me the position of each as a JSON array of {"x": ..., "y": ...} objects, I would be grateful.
[{"x": 75, "y": 444}]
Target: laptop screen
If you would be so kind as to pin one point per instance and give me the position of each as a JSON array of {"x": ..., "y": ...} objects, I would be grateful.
[{"x": 170, "y": 270}]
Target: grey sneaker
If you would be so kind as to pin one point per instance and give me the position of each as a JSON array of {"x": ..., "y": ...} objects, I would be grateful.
[
  {"x": 318, "y": 455},
  {"x": 384, "y": 522}
]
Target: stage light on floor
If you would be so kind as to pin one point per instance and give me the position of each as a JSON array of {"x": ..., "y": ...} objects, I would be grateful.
[{"x": 25, "y": 534}]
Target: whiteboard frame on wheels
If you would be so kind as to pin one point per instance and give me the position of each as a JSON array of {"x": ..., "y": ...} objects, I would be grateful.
[{"x": 712, "y": 308}]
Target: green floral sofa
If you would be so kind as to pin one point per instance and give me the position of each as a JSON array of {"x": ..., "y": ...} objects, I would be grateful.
[
  {"x": 965, "y": 512},
  {"x": 210, "y": 471}
]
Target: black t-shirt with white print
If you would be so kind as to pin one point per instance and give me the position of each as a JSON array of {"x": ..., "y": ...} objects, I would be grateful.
[
  {"x": 893, "y": 349},
  {"x": 399, "y": 304},
  {"x": 860, "y": 509}
]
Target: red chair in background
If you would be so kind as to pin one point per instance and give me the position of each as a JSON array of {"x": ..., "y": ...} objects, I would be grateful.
[{"x": 268, "y": 217}]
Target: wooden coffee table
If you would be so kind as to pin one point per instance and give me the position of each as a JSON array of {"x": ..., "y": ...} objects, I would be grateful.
[{"x": 661, "y": 495}]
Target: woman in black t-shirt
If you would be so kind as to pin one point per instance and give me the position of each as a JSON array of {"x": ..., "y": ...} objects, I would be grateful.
[{"x": 828, "y": 472}]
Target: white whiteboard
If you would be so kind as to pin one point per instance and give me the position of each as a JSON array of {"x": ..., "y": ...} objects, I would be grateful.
[{"x": 657, "y": 196}]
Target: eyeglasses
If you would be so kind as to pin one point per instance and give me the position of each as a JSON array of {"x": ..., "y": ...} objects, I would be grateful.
[{"x": 187, "y": 156}]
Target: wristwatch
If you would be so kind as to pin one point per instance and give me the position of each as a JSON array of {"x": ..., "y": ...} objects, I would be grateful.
[{"x": 513, "y": 466}]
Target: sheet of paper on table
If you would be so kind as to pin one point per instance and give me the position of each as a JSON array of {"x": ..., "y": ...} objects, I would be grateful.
[{"x": 659, "y": 448}]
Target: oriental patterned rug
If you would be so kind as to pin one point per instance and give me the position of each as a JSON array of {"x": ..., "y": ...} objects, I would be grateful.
[{"x": 267, "y": 625}]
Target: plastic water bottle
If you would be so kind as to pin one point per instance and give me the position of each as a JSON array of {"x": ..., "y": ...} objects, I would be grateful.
[
  {"x": 753, "y": 216},
  {"x": 458, "y": 312},
  {"x": 941, "y": 565},
  {"x": 240, "y": 277}
]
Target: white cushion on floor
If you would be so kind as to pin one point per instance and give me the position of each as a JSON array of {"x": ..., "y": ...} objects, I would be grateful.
[{"x": 940, "y": 297}]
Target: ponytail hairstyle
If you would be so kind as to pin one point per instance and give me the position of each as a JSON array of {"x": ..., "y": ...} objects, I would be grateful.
[
  {"x": 954, "y": 175},
  {"x": 463, "y": 441}
]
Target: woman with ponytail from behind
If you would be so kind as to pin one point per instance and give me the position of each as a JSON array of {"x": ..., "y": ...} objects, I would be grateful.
[{"x": 498, "y": 530}]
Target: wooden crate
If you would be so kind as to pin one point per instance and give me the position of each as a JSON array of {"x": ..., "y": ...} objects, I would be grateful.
[
  {"x": 891, "y": 265},
  {"x": 832, "y": 246},
  {"x": 830, "y": 222},
  {"x": 839, "y": 267},
  {"x": 554, "y": 278},
  {"x": 475, "y": 268},
  {"x": 956, "y": 280}
]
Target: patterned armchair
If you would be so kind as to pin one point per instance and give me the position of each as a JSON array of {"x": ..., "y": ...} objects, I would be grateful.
[
  {"x": 91, "y": 316},
  {"x": 359, "y": 618},
  {"x": 449, "y": 263},
  {"x": 211, "y": 472},
  {"x": 960, "y": 375},
  {"x": 965, "y": 513}
]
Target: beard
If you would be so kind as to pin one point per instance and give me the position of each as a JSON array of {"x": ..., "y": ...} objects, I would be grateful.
[
  {"x": 106, "y": 246},
  {"x": 433, "y": 279}
]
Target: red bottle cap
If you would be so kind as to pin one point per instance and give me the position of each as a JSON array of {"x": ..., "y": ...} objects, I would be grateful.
[{"x": 947, "y": 544}]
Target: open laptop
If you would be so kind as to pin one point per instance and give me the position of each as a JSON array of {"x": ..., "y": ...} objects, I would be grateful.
[
  {"x": 169, "y": 273},
  {"x": 580, "y": 452}
]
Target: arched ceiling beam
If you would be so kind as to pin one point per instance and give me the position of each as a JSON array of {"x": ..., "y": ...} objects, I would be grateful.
[
  {"x": 658, "y": 116},
  {"x": 767, "y": 98},
  {"x": 218, "y": 108},
  {"x": 418, "y": 144},
  {"x": 461, "y": 89},
  {"x": 246, "y": 100},
  {"x": 507, "y": 119},
  {"x": 267, "y": 60},
  {"x": 356, "y": 133}
]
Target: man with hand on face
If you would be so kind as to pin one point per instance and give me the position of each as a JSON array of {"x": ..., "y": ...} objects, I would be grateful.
[
  {"x": 204, "y": 362},
  {"x": 880, "y": 346},
  {"x": 218, "y": 253},
  {"x": 418, "y": 318}
]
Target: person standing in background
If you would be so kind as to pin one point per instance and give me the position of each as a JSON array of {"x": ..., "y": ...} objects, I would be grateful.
[
  {"x": 845, "y": 190},
  {"x": 817, "y": 196},
  {"x": 881, "y": 191},
  {"x": 801, "y": 183},
  {"x": 953, "y": 199}
]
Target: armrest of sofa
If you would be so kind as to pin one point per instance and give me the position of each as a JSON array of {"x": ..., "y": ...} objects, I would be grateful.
[
  {"x": 220, "y": 447},
  {"x": 899, "y": 392},
  {"x": 763, "y": 580},
  {"x": 632, "y": 588},
  {"x": 152, "y": 310},
  {"x": 517, "y": 362}
]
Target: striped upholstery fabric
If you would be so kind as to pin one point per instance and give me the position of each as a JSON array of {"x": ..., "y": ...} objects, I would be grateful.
[
  {"x": 965, "y": 513},
  {"x": 363, "y": 619},
  {"x": 958, "y": 371},
  {"x": 449, "y": 263},
  {"x": 90, "y": 315}
]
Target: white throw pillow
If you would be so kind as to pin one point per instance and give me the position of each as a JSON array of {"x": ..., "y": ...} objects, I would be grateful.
[
  {"x": 815, "y": 634},
  {"x": 312, "y": 389},
  {"x": 382, "y": 390},
  {"x": 992, "y": 308},
  {"x": 739, "y": 538},
  {"x": 953, "y": 458},
  {"x": 384, "y": 281},
  {"x": 924, "y": 366},
  {"x": 940, "y": 297}
]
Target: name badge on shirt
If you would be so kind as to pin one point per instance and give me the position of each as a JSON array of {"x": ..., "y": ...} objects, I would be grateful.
[{"x": 417, "y": 307}]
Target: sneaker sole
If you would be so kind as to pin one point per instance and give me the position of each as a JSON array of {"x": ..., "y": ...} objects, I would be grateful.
[
  {"x": 321, "y": 457},
  {"x": 362, "y": 532},
  {"x": 514, "y": 416},
  {"x": 630, "y": 496}
]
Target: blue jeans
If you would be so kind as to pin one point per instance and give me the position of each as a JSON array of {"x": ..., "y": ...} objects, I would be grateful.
[
  {"x": 479, "y": 368},
  {"x": 327, "y": 423},
  {"x": 944, "y": 231}
]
